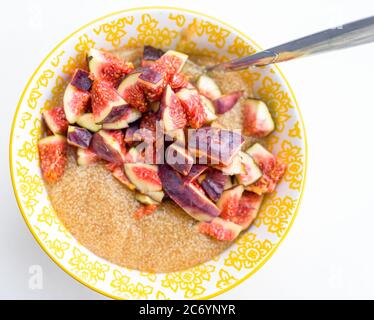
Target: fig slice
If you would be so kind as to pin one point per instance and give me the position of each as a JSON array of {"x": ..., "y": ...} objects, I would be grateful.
[
  {"x": 208, "y": 87},
  {"x": 229, "y": 201},
  {"x": 109, "y": 145},
  {"x": 195, "y": 172},
  {"x": 208, "y": 109},
  {"x": 106, "y": 66},
  {"x": 53, "y": 157},
  {"x": 81, "y": 80},
  {"x": 178, "y": 158},
  {"x": 130, "y": 132},
  {"x": 193, "y": 107},
  {"x": 272, "y": 169},
  {"x": 144, "y": 176},
  {"x": 172, "y": 112},
  {"x": 55, "y": 120},
  {"x": 79, "y": 137},
  {"x": 145, "y": 199},
  {"x": 152, "y": 83},
  {"x": 130, "y": 91},
  {"x": 257, "y": 120},
  {"x": 86, "y": 157},
  {"x": 249, "y": 206},
  {"x": 156, "y": 195},
  {"x": 220, "y": 229},
  {"x": 107, "y": 104},
  {"x": 214, "y": 145},
  {"x": 150, "y": 55},
  {"x": 213, "y": 183},
  {"x": 87, "y": 121},
  {"x": 187, "y": 195},
  {"x": 251, "y": 172},
  {"x": 119, "y": 173},
  {"x": 75, "y": 103},
  {"x": 226, "y": 102},
  {"x": 129, "y": 115},
  {"x": 171, "y": 62}
]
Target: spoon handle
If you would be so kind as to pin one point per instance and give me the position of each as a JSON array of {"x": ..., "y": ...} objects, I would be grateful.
[{"x": 345, "y": 36}]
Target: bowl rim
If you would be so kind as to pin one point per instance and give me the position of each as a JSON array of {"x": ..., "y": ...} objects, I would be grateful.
[{"x": 198, "y": 14}]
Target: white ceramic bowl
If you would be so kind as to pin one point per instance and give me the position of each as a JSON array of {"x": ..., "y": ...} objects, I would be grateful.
[{"x": 160, "y": 27}]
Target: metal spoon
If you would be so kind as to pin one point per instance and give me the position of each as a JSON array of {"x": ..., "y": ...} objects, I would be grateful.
[{"x": 345, "y": 36}]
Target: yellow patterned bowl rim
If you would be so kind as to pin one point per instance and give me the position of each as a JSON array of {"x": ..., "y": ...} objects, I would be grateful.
[{"x": 293, "y": 150}]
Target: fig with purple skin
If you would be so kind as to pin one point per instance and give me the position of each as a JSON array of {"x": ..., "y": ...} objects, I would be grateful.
[
  {"x": 249, "y": 206},
  {"x": 229, "y": 202},
  {"x": 172, "y": 112},
  {"x": 208, "y": 87},
  {"x": 187, "y": 195},
  {"x": 129, "y": 115},
  {"x": 251, "y": 172},
  {"x": 130, "y": 90},
  {"x": 79, "y": 137},
  {"x": 213, "y": 183},
  {"x": 257, "y": 120},
  {"x": 152, "y": 83},
  {"x": 208, "y": 109},
  {"x": 195, "y": 172},
  {"x": 87, "y": 121},
  {"x": 226, "y": 102},
  {"x": 177, "y": 135},
  {"x": 144, "y": 176},
  {"x": 214, "y": 145},
  {"x": 150, "y": 55},
  {"x": 55, "y": 120},
  {"x": 220, "y": 229},
  {"x": 170, "y": 63},
  {"x": 81, "y": 80},
  {"x": 193, "y": 107},
  {"x": 108, "y": 147},
  {"x": 178, "y": 158},
  {"x": 130, "y": 132},
  {"x": 86, "y": 157},
  {"x": 75, "y": 103}
]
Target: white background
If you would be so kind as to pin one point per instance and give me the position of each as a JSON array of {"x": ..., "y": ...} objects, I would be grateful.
[{"x": 329, "y": 251}]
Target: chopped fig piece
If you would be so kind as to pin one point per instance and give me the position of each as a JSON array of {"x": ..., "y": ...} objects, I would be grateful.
[
  {"x": 130, "y": 131},
  {"x": 249, "y": 205},
  {"x": 195, "y": 172},
  {"x": 150, "y": 55},
  {"x": 79, "y": 137},
  {"x": 53, "y": 157},
  {"x": 257, "y": 120},
  {"x": 133, "y": 156},
  {"x": 187, "y": 195},
  {"x": 148, "y": 122},
  {"x": 86, "y": 157},
  {"x": 235, "y": 166},
  {"x": 216, "y": 146},
  {"x": 208, "y": 87},
  {"x": 208, "y": 109},
  {"x": 145, "y": 199},
  {"x": 108, "y": 145},
  {"x": 152, "y": 83},
  {"x": 145, "y": 211},
  {"x": 193, "y": 107},
  {"x": 81, "y": 80},
  {"x": 143, "y": 176},
  {"x": 170, "y": 63},
  {"x": 220, "y": 229},
  {"x": 55, "y": 120},
  {"x": 176, "y": 135},
  {"x": 251, "y": 172},
  {"x": 178, "y": 81},
  {"x": 132, "y": 92},
  {"x": 178, "y": 158},
  {"x": 272, "y": 169},
  {"x": 156, "y": 195},
  {"x": 229, "y": 201},
  {"x": 227, "y": 102},
  {"x": 214, "y": 183},
  {"x": 172, "y": 112},
  {"x": 129, "y": 115},
  {"x": 87, "y": 121},
  {"x": 119, "y": 173},
  {"x": 106, "y": 100},
  {"x": 106, "y": 66},
  {"x": 75, "y": 103}
]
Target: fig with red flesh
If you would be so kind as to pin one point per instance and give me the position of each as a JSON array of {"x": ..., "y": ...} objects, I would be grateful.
[
  {"x": 193, "y": 107},
  {"x": 55, "y": 120},
  {"x": 187, "y": 195},
  {"x": 170, "y": 63},
  {"x": 249, "y": 205},
  {"x": 107, "y": 104},
  {"x": 178, "y": 158},
  {"x": 195, "y": 172},
  {"x": 208, "y": 87},
  {"x": 152, "y": 83},
  {"x": 79, "y": 137},
  {"x": 87, "y": 120},
  {"x": 257, "y": 120},
  {"x": 226, "y": 102},
  {"x": 213, "y": 183},
  {"x": 130, "y": 132},
  {"x": 251, "y": 172},
  {"x": 172, "y": 112},
  {"x": 220, "y": 229},
  {"x": 130, "y": 90},
  {"x": 109, "y": 145},
  {"x": 133, "y": 156},
  {"x": 106, "y": 66},
  {"x": 272, "y": 169},
  {"x": 178, "y": 81},
  {"x": 144, "y": 176},
  {"x": 234, "y": 167},
  {"x": 150, "y": 55},
  {"x": 119, "y": 174},
  {"x": 208, "y": 109},
  {"x": 177, "y": 135},
  {"x": 81, "y": 80},
  {"x": 53, "y": 157},
  {"x": 129, "y": 115},
  {"x": 148, "y": 122},
  {"x": 76, "y": 102},
  {"x": 86, "y": 157},
  {"x": 214, "y": 145},
  {"x": 229, "y": 202}
]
